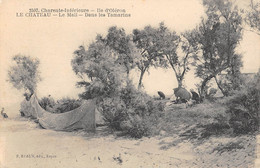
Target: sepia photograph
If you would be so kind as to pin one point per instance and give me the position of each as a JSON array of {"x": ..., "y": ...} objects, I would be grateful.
[{"x": 130, "y": 84}]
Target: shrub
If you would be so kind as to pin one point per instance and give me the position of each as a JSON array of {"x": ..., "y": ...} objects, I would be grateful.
[
  {"x": 26, "y": 109},
  {"x": 113, "y": 111},
  {"x": 244, "y": 108},
  {"x": 66, "y": 104},
  {"x": 139, "y": 127},
  {"x": 230, "y": 83},
  {"x": 61, "y": 106},
  {"x": 132, "y": 112},
  {"x": 47, "y": 103}
]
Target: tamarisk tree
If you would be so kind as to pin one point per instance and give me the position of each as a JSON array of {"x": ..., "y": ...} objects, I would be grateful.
[
  {"x": 24, "y": 74},
  {"x": 120, "y": 43},
  {"x": 217, "y": 37},
  {"x": 178, "y": 51},
  {"x": 253, "y": 16},
  {"x": 104, "y": 66},
  {"x": 148, "y": 43}
]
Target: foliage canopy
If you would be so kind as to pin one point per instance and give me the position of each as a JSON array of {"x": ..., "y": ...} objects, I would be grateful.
[{"x": 25, "y": 74}]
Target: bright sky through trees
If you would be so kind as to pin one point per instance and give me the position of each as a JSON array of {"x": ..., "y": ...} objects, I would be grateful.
[{"x": 53, "y": 40}]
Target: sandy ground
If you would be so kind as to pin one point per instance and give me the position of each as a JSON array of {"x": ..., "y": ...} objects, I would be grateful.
[{"x": 24, "y": 144}]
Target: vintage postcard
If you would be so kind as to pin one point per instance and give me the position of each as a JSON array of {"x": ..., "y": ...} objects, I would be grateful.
[{"x": 129, "y": 83}]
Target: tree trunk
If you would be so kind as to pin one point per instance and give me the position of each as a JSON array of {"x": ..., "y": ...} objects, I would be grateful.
[
  {"x": 127, "y": 71},
  {"x": 179, "y": 82},
  {"x": 203, "y": 85},
  {"x": 178, "y": 77},
  {"x": 140, "y": 80},
  {"x": 220, "y": 88}
]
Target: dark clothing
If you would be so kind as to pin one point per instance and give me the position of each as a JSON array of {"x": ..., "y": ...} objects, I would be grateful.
[
  {"x": 161, "y": 94},
  {"x": 195, "y": 96}
]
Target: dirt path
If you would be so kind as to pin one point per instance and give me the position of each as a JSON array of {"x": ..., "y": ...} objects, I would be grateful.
[{"x": 23, "y": 144}]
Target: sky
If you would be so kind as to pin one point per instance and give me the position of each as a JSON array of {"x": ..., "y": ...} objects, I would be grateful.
[{"x": 53, "y": 40}]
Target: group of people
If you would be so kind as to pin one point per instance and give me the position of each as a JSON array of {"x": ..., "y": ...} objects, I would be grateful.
[{"x": 182, "y": 95}]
